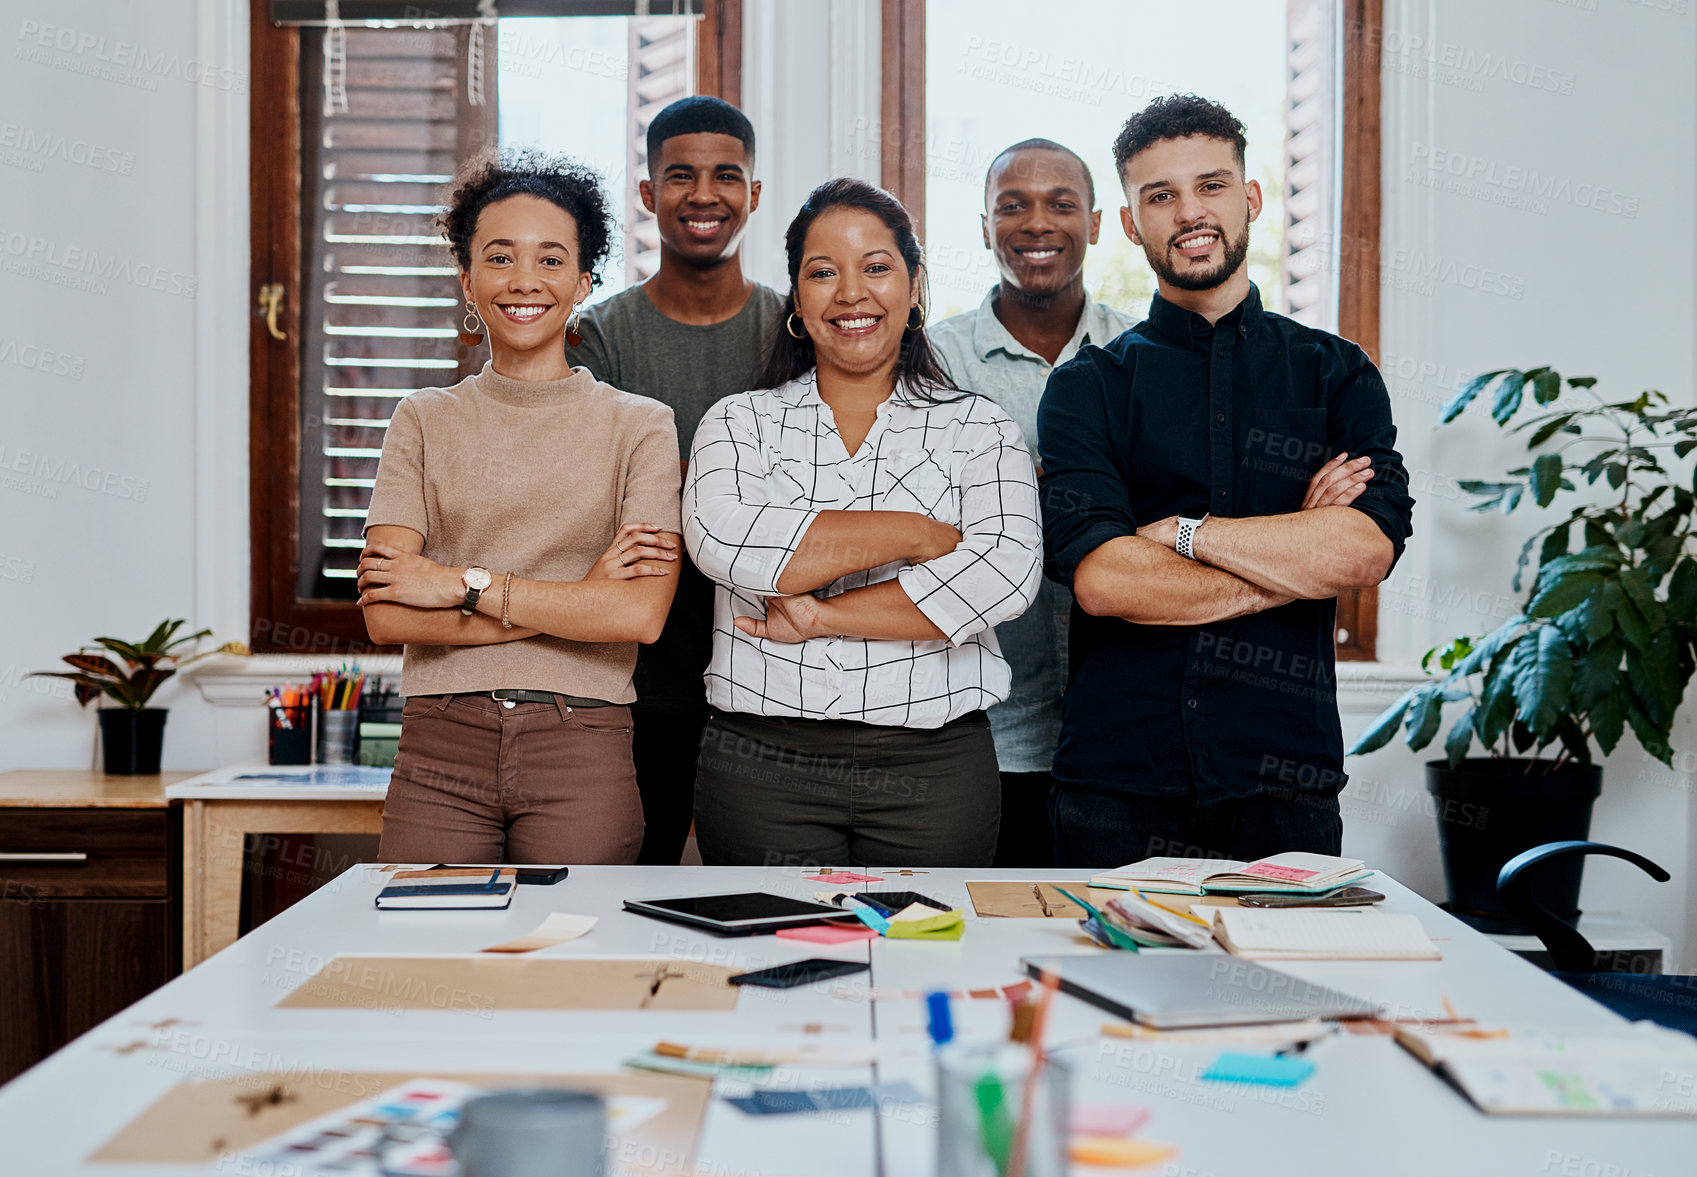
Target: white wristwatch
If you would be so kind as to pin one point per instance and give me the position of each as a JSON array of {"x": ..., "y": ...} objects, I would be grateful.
[
  {"x": 1187, "y": 535},
  {"x": 475, "y": 581}
]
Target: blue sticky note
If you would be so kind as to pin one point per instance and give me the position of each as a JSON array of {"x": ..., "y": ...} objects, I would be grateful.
[{"x": 1271, "y": 1070}]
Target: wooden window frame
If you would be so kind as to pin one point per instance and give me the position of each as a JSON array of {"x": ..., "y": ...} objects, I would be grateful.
[
  {"x": 1362, "y": 34},
  {"x": 279, "y": 621}
]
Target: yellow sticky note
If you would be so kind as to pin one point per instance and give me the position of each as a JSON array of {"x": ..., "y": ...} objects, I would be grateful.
[
  {"x": 944, "y": 925},
  {"x": 1118, "y": 1151}
]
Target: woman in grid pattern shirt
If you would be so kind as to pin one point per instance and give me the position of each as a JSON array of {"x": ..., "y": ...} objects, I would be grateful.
[{"x": 866, "y": 524}]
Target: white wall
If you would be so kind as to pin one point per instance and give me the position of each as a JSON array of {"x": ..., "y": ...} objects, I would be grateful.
[
  {"x": 123, "y": 250},
  {"x": 131, "y": 503},
  {"x": 1495, "y": 268}
]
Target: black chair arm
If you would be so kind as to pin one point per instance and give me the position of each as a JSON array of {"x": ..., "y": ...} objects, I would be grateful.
[{"x": 1569, "y": 951}]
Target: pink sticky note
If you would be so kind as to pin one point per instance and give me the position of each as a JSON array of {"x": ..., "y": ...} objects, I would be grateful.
[
  {"x": 823, "y": 934},
  {"x": 838, "y": 878},
  {"x": 1107, "y": 1119}
]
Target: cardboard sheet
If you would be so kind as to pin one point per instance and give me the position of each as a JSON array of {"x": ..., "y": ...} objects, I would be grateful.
[
  {"x": 1034, "y": 900},
  {"x": 505, "y": 982},
  {"x": 196, "y": 1123}
]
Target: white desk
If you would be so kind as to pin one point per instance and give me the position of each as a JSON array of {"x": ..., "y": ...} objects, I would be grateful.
[{"x": 1369, "y": 1111}]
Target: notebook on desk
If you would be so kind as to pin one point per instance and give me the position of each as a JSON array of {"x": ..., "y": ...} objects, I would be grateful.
[
  {"x": 437, "y": 890},
  {"x": 1308, "y": 934}
]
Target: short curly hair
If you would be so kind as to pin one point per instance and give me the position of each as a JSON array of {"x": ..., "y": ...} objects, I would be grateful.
[
  {"x": 1177, "y": 116},
  {"x": 558, "y": 179}
]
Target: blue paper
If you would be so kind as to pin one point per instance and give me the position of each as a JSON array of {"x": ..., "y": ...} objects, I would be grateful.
[
  {"x": 1270, "y": 1070},
  {"x": 779, "y": 1103}
]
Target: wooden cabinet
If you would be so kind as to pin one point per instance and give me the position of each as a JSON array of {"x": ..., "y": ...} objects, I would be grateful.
[{"x": 89, "y": 915}]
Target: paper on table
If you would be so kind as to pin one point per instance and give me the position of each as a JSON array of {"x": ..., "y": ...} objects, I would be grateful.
[
  {"x": 1107, "y": 1119},
  {"x": 1033, "y": 900},
  {"x": 842, "y": 877},
  {"x": 200, "y": 1122},
  {"x": 918, "y": 922},
  {"x": 522, "y": 982},
  {"x": 1118, "y": 1151},
  {"x": 558, "y": 928},
  {"x": 827, "y": 934},
  {"x": 1269, "y": 1070}
]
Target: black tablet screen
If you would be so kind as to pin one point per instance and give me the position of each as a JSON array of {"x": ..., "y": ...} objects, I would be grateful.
[{"x": 751, "y": 905}]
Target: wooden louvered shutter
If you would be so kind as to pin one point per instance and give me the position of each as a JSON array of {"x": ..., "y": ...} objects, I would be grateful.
[
  {"x": 1308, "y": 267},
  {"x": 381, "y": 298},
  {"x": 661, "y": 53}
]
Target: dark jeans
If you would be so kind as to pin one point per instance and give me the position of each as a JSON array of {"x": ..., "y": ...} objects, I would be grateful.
[
  {"x": 1027, "y": 838},
  {"x": 664, "y": 748},
  {"x": 1105, "y": 828},
  {"x": 829, "y": 792}
]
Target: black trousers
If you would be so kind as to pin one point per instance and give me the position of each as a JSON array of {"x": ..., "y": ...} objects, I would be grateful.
[
  {"x": 1104, "y": 828},
  {"x": 664, "y": 746},
  {"x": 1026, "y": 839},
  {"x": 776, "y": 791}
]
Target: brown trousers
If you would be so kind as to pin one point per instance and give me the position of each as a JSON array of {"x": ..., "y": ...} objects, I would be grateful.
[{"x": 478, "y": 781}]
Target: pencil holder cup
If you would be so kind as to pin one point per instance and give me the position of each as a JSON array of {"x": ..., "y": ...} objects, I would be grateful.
[
  {"x": 338, "y": 735},
  {"x": 997, "y": 1115},
  {"x": 290, "y": 735}
]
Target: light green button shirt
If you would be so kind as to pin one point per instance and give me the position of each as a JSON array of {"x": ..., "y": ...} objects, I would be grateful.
[{"x": 982, "y": 356}]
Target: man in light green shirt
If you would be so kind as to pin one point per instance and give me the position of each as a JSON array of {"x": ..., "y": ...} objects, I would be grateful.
[{"x": 1039, "y": 218}]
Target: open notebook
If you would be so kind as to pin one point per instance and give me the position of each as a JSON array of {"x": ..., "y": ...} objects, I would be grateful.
[
  {"x": 1637, "y": 1070},
  {"x": 1320, "y": 935},
  {"x": 1292, "y": 872}
]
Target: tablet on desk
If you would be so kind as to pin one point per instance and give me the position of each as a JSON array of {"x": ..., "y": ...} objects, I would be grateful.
[{"x": 737, "y": 913}]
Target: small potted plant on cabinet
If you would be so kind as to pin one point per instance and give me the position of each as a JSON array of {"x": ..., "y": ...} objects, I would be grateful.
[
  {"x": 132, "y": 733},
  {"x": 1605, "y": 641}
]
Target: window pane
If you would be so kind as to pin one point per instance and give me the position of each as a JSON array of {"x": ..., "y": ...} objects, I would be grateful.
[
  {"x": 1076, "y": 81},
  {"x": 587, "y": 87}
]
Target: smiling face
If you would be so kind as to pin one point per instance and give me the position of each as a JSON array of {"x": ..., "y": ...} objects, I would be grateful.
[
  {"x": 1190, "y": 209},
  {"x": 701, "y": 191},
  {"x": 524, "y": 276},
  {"x": 1038, "y": 220},
  {"x": 853, "y": 292}
]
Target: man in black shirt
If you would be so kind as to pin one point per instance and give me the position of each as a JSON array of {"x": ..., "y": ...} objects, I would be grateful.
[{"x": 1212, "y": 479}]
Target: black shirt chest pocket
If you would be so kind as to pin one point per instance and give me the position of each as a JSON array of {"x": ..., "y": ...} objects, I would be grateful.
[{"x": 1282, "y": 450}]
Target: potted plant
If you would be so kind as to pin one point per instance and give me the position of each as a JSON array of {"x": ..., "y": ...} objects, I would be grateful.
[
  {"x": 132, "y": 733},
  {"x": 1604, "y": 642}
]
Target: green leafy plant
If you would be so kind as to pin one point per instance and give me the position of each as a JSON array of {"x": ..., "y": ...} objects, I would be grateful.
[
  {"x": 146, "y": 665},
  {"x": 1607, "y": 636}
]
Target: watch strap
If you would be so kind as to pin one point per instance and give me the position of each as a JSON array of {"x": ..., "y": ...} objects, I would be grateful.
[
  {"x": 1187, "y": 529},
  {"x": 469, "y": 605}
]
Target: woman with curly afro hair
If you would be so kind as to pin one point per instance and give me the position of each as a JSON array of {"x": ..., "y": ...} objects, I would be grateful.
[{"x": 520, "y": 543}]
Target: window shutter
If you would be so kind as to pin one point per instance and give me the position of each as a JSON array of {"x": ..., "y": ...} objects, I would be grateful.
[
  {"x": 1309, "y": 266},
  {"x": 382, "y": 302},
  {"x": 661, "y": 53}
]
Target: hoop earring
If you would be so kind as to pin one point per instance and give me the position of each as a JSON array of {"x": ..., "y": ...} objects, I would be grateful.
[
  {"x": 794, "y": 334},
  {"x": 572, "y": 336},
  {"x": 471, "y": 327},
  {"x": 919, "y": 326}
]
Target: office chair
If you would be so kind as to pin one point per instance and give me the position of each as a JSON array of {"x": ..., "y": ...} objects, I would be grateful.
[{"x": 1666, "y": 1000}]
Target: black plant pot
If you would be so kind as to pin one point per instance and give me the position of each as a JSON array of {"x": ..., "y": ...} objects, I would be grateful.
[
  {"x": 132, "y": 739},
  {"x": 1491, "y": 809}
]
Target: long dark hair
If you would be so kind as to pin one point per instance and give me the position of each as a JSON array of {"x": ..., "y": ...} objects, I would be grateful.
[{"x": 917, "y": 367}]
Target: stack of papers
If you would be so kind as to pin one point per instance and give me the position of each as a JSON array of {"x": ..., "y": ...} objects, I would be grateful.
[
  {"x": 1299, "y": 934},
  {"x": 1295, "y": 871},
  {"x": 1155, "y": 927},
  {"x": 1553, "y": 1072}
]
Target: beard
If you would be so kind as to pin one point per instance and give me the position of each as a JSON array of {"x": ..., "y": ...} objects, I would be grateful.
[{"x": 1236, "y": 251}]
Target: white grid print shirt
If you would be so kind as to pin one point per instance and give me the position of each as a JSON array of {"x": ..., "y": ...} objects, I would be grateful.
[{"x": 765, "y": 463}]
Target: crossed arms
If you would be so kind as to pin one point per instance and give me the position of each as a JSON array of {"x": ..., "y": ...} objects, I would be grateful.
[{"x": 1242, "y": 566}]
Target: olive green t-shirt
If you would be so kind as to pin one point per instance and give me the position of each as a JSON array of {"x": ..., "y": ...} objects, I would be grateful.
[{"x": 630, "y": 344}]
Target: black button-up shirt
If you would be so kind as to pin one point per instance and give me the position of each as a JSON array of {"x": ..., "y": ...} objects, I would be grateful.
[{"x": 1180, "y": 417}]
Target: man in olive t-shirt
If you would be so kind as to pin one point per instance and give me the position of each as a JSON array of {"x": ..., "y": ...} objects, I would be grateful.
[{"x": 694, "y": 333}]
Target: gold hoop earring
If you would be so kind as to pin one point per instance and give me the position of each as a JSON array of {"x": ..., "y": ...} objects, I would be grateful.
[
  {"x": 794, "y": 334},
  {"x": 919, "y": 326},
  {"x": 572, "y": 336},
  {"x": 471, "y": 327}
]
